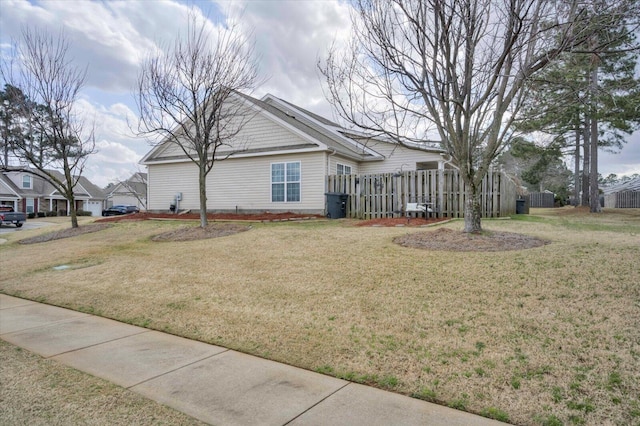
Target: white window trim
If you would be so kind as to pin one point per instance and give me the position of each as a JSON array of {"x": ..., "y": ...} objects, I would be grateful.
[
  {"x": 33, "y": 205},
  {"x": 344, "y": 167},
  {"x": 30, "y": 182},
  {"x": 271, "y": 182}
]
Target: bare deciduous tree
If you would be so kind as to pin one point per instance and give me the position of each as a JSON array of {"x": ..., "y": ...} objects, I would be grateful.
[
  {"x": 51, "y": 84},
  {"x": 135, "y": 186},
  {"x": 455, "y": 67},
  {"x": 186, "y": 94}
]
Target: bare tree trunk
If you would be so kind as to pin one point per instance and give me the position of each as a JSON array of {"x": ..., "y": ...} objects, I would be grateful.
[
  {"x": 594, "y": 196},
  {"x": 52, "y": 84},
  {"x": 203, "y": 194},
  {"x": 73, "y": 212},
  {"x": 586, "y": 166},
  {"x": 472, "y": 210},
  {"x": 594, "y": 192},
  {"x": 576, "y": 169},
  {"x": 70, "y": 196},
  {"x": 190, "y": 94}
]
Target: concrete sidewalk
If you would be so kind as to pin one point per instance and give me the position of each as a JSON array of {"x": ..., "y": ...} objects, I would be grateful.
[{"x": 210, "y": 383}]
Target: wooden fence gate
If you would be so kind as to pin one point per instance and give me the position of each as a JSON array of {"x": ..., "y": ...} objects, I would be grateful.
[
  {"x": 386, "y": 195},
  {"x": 542, "y": 199}
]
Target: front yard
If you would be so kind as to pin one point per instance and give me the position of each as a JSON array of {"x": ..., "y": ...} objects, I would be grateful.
[{"x": 548, "y": 335}]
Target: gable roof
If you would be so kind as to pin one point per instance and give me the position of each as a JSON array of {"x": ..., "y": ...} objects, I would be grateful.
[
  {"x": 329, "y": 132},
  {"x": 630, "y": 185},
  {"x": 320, "y": 133},
  {"x": 137, "y": 184},
  {"x": 43, "y": 188},
  {"x": 8, "y": 189}
]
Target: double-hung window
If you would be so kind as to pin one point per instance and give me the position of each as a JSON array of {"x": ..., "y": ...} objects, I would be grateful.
[
  {"x": 26, "y": 181},
  {"x": 285, "y": 182},
  {"x": 342, "y": 169}
]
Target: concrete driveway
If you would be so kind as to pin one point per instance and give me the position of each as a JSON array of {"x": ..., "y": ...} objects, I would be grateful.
[{"x": 29, "y": 224}]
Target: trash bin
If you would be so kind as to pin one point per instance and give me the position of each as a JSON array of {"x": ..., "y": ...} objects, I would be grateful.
[
  {"x": 336, "y": 205},
  {"x": 522, "y": 207}
]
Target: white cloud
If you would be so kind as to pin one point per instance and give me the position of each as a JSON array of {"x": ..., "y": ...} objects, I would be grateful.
[
  {"x": 625, "y": 162},
  {"x": 118, "y": 151},
  {"x": 112, "y": 37},
  {"x": 290, "y": 37}
]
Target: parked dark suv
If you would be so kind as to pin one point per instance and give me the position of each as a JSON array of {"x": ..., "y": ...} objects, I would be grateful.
[{"x": 118, "y": 210}]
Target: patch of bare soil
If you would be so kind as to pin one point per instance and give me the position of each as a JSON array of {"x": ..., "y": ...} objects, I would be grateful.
[
  {"x": 192, "y": 233},
  {"x": 400, "y": 221},
  {"x": 66, "y": 233},
  {"x": 262, "y": 217},
  {"x": 449, "y": 240}
]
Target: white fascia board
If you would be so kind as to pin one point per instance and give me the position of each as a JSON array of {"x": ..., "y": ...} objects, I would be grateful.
[
  {"x": 245, "y": 155},
  {"x": 153, "y": 152},
  {"x": 9, "y": 188},
  {"x": 147, "y": 155},
  {"x": 387, "y": 139},
  {"x": 281, "y": 152},
  {"x": 115, "y": 188},
  {"x": 173, "y": 160},
  {"x": 331, "y": 129},
  {"x": 85, "y": 189}
]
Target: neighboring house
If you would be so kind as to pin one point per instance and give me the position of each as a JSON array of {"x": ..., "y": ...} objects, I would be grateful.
[
  {"x": 278, "y": 162},
  {"x": 29, "y": 193},
  {"x": 131, "y": 192},
  {"x": 623, "y": 194}
]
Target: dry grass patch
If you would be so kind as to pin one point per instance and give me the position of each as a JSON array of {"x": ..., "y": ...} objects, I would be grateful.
[
  {"x": 539, "y": 335},
  {"x": 36, "y": 391}
]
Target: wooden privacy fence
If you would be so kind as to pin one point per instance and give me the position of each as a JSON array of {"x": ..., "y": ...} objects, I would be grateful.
[
  {"x": 541, "y": 199},
  {"x": 623, "y": 200},
  {"x": 386, "y": 195}
]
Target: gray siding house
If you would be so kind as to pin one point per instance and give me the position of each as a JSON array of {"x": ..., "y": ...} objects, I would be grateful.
[
  {"x": 131, "y": 192},
  {"x": 278, "y": 162},
  {"x": 29, "y": 193}
]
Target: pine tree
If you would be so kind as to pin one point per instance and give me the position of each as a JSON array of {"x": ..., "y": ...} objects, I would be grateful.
[{"x": 588, "y": 100}]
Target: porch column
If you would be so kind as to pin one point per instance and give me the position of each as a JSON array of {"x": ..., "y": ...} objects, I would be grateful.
[
  {"x": 50, "y": 204},
  {"x": 68, "y": 207}
]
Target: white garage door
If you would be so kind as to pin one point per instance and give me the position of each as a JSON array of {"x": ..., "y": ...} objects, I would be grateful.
[{"x": 95, "y": 207}]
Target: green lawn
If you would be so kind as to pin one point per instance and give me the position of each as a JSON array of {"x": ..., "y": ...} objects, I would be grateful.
[{"x": 549, "y": 335}]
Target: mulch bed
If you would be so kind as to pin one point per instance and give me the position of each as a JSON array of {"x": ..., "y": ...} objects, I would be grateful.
[
  {"x": 440, "y": 239},
  {"x": 401, "y": 221},
  {"x": 193, "y": 233},
  {"x": 66, "y": 233},
  {"x": 450, "y": 240},
  {"x": 262, "y": 217}
]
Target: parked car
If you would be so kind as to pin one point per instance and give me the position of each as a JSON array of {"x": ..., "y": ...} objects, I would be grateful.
[
  {"x": 118, "y": 210},
  {"x": 8, "y": 217}
]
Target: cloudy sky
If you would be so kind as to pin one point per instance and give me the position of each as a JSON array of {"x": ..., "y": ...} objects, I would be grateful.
[{"x": 112, "y": 37}]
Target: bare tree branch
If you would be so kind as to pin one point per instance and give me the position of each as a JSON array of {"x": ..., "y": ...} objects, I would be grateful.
[
  {"x": 187, "y": 95},
  {"x": 57, "y": 140},
  {"x": 458, "y": 68}
]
